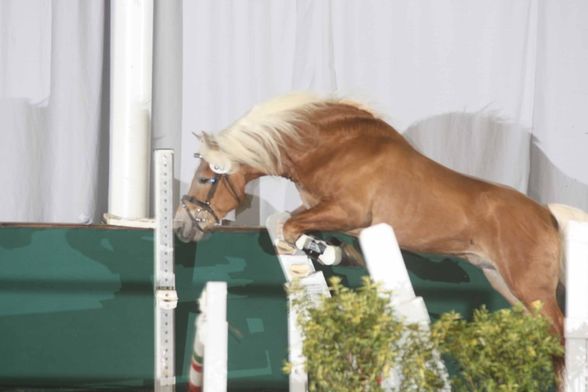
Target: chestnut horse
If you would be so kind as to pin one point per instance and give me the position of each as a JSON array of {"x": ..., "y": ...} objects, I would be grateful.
[{"x": 354, "y": 170}]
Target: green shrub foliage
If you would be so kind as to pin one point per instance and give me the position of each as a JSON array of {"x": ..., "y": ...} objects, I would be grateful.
[
  {"x": 508, "y": 350},
  {"x": 353, "y": 340}
]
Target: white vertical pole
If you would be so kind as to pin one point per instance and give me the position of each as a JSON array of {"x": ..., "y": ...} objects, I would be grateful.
[
  {"x": 576, "y": 323},
  {"x": 166, "y": 297},
  {"x": 131, "y": 38},
  {"x": 217, "y": 335}
]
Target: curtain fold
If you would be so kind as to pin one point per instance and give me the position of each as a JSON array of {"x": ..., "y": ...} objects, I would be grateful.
[{"x": 493, "y": 88}]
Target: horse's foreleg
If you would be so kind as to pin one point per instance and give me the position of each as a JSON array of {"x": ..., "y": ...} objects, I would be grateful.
[
  {"x": 298, "y": 210},
  {"x": 322, "y": 217}
]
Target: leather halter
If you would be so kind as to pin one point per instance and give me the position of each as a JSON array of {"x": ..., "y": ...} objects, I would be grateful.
[{"x": 205, "y": 205}]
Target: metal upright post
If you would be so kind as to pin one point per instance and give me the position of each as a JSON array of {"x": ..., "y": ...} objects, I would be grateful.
[
  {"x": 166, "y": 297},
  {"x": 130, "y": 111}
]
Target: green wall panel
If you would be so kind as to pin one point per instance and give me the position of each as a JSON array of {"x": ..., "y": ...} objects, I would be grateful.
[
  {"x": 76, "y": 307},
  {"x": 76, "y": 304}
]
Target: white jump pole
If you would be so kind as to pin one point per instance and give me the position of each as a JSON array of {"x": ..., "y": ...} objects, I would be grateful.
[
  {"x": 131, "y": 37},
  {"x": 386, "y": 266},
  {"x": 576, "y": 322}
]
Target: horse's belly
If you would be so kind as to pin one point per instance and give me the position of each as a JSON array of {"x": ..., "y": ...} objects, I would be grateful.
[
  {"x": 479, "y": 260},
  {"x": 454, "y": 243}
]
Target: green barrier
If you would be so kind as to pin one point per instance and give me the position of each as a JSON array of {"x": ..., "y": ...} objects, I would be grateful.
[{"x": 76, "y": 305}]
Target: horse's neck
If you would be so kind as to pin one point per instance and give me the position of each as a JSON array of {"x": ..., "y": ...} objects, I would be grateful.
[
  {"x": 326, "y": 141},
  {"x": 323, "y": 134}
]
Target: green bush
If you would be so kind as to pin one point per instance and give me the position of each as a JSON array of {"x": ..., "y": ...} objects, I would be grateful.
[
  {"x": 353, "y": 339},
  {"x": 508, "y": 350}
]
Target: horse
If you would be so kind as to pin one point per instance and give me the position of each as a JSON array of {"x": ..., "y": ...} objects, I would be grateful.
[{"x": 354, "y": 170}]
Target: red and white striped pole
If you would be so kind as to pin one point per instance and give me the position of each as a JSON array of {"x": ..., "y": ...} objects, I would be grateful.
[
  {"x": 208, "y": 369},
  {"x": 196, "y": 373}
]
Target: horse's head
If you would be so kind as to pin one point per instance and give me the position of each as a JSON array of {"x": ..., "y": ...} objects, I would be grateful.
[{"x": 218, "y": 186}]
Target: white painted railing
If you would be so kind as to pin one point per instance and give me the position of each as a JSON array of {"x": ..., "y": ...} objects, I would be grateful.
[{"x": 576, "y": 322}]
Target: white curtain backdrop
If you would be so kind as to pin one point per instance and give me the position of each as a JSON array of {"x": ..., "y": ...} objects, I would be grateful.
[
  {"x": 493, "y": 88},
  {"x": 54, "y": 105},
  {"x": 53, "y": 110}
]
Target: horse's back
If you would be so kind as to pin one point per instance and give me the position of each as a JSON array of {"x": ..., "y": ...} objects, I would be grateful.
[{"x": 433, "y": 208}]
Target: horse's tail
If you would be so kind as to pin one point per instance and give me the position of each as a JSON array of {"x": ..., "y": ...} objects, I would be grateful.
[{"x": 563, "y": 214}]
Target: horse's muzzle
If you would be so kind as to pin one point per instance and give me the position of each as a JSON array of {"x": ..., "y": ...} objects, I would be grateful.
[
  {"x": 189, "y": 233},
  {"x": 184, "y": 227}
]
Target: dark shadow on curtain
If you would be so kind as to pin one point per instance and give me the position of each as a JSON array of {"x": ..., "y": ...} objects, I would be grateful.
[
  {"x": 166, "y": 120},
  {"x": 484, "y": 145},
  {"x": 102, "y": 173},
  {"x": 548, "y": 184},
  {"x": 249, "y": 211}
]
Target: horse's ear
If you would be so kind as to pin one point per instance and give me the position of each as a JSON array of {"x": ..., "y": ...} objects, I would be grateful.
[{"x": 208, "y": 141}]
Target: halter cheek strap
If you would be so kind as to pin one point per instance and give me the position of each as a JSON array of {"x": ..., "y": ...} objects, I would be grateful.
[{"x": 202, "y": 205}]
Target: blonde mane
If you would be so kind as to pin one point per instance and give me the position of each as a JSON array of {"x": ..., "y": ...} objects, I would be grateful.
[{"x": 257, "y": 138}]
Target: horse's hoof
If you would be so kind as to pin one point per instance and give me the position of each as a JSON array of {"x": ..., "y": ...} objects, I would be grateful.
[{"x": 331, "y": 256}]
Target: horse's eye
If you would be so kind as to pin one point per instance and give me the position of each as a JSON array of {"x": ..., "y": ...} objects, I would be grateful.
[{"x": 206, "y": 180}]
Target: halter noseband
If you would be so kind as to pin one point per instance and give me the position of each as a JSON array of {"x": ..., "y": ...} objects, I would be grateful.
[{"x": 205, "y": 205}]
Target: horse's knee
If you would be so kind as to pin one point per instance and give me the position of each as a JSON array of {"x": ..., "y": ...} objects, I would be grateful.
[{"x": 291, "y": 231}]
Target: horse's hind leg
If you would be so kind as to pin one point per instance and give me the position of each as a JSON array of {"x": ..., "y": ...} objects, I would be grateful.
[
  {"x": 539, "y": 287},
  {"x": 500, "y": 285},
  {"x": 528, "y": 286},
  {"x": 550, "y": 305}
]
